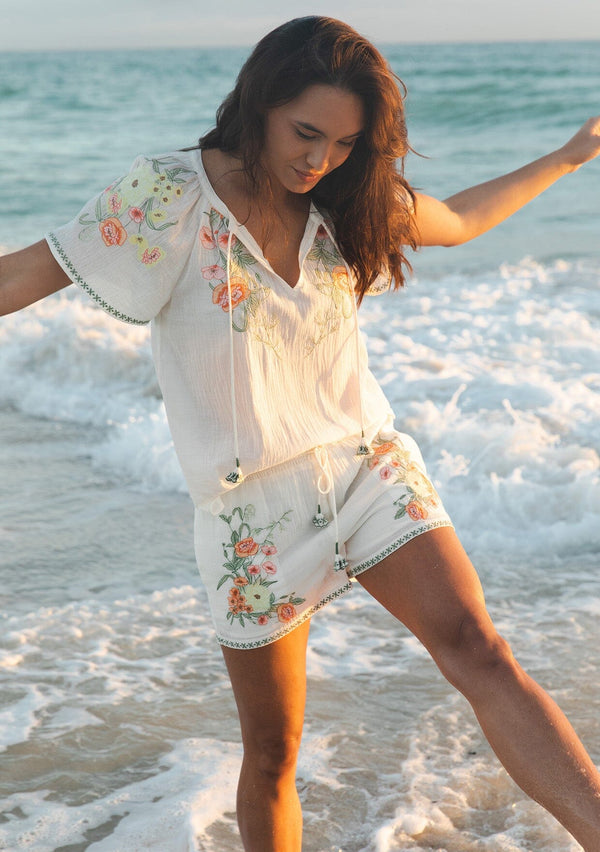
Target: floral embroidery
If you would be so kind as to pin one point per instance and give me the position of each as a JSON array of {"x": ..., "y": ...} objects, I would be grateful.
[
  {"x": 250, "y": 568},
  {"x": 239, "y": 293},
  {"x": 395, "y": 465},
  {"x": 330, "y": 277},
  {"x": 135, "y": 200},
  {"x": 249, "y": 297}
]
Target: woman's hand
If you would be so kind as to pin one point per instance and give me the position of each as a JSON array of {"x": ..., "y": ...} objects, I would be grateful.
[
  {"x": 584, "y": 146},
  {"x": 473, "y": 211}
]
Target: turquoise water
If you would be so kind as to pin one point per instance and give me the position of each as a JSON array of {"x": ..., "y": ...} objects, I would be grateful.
[{"x": 117, "y": 725}]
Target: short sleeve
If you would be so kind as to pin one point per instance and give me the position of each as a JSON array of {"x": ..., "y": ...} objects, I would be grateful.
[{"x": 128, "y": 247}]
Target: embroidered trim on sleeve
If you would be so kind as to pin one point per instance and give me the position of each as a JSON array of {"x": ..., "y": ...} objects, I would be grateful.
[{"x": 76, "y": 277}]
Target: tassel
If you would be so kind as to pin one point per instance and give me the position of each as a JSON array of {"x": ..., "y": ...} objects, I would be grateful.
[
  {"x": 363, "y": 448},
  {"x": 340, "y": 564},
  {"x": 236, "y": 475},
  {"x": 319, "y": 520}
]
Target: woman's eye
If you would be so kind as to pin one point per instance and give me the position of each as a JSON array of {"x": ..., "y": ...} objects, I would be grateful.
[{"x": 304, "y": 135}]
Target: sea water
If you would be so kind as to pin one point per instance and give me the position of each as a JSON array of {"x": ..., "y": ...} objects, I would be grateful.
[{"x": 117, "y": 724}]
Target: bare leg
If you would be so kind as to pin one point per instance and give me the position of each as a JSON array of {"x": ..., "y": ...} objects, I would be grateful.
[
  {"x": 269, "y": 685},
  {"x": 431, "y": 586}
]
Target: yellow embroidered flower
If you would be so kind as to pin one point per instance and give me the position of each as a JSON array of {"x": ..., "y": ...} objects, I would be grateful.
[
  {"x": 158, "y": 216},
  {"x": 138, "y": 186},
  {"x": 139, "y": 241}
]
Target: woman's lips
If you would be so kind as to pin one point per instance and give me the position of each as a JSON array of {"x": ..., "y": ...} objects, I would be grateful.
[{"x": 307, "y": 177}]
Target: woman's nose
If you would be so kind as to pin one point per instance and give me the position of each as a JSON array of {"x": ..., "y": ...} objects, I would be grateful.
[{"x": 318, "y": 157}]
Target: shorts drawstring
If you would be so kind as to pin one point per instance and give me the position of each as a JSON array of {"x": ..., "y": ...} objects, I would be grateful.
[{"x": 325, "y": 487}]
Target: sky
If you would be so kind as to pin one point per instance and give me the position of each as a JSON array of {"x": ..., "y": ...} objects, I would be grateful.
[{"x": 76, "y": 24}]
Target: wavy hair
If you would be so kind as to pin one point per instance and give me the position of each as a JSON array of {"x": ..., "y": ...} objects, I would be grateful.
[{"x": 367, "y": 198}]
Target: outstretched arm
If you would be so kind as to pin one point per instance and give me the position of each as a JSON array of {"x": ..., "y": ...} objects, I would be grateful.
[
  {"x": 473, "y": 211},
  {"x": 27, "y": 276}
]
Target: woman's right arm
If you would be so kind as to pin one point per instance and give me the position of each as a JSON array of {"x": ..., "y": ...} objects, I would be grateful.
[{"x": 29, "y": 275}]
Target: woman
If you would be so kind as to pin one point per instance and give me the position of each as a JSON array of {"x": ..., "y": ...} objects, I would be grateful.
[{"x": 249, "y": 254}]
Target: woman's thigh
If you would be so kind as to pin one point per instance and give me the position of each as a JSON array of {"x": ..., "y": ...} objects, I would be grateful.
[
  {"x": 269, "y": 685},
  {"x": 431, "y": 586}
]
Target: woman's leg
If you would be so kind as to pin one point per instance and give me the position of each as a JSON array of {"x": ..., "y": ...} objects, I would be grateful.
[
  {"x": 431, "y": 586},
  {"x": 269, "y": 685}
]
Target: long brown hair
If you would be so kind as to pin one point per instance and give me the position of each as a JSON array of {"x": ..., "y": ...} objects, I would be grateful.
[{"x": 367, "y": 197}]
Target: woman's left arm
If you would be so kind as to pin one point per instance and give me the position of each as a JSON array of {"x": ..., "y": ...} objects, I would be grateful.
[{"x": 473, "y": 211}]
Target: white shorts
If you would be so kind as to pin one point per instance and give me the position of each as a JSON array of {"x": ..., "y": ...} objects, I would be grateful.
[{"x": 268, "y": 565}]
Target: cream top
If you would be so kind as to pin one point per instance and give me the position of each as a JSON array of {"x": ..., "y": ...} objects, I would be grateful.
[{"x": 159, "y": 245}]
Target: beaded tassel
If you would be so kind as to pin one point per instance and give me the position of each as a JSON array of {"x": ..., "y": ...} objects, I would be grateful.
[
  {"x": 363, "y": 448},
  {"x": 236, "y": 475},
  {"x": 340, "y": 564},
  {"x": 319, "y": 520}
]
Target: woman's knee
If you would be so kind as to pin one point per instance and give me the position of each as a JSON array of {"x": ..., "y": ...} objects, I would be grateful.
[
  {"x": 272, "y": 754},
  {"x": 475, "y": 655}
]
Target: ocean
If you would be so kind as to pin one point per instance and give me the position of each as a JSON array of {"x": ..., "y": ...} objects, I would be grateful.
[{"x": 117, "y": 726}]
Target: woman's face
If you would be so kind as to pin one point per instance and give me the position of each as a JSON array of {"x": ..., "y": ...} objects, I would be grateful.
[{"x": 311, "y": 136}]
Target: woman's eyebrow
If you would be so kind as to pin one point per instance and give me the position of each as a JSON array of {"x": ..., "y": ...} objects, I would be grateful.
[{"x": 314, "y": 129}]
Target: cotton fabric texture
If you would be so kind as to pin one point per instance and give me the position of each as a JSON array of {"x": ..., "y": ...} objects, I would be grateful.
[{"x": 237, "y": 350}]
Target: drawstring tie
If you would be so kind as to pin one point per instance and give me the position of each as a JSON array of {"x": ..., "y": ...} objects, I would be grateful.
[
  {"x": 325, "y": 487},
  {"x": 236, "y": 476}
]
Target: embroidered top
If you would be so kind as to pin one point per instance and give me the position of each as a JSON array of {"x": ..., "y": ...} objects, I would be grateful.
[{"x": 159, "y": 245}]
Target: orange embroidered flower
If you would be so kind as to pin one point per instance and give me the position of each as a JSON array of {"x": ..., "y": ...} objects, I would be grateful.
[
  {"x": 285, "y": 612},
  {"x": 239, "y": 292},
  {"x": 113, "y": 233},
  {"x": 382, "y": 449},
  {"x": 233, "y": 594},
  {"x": 206, "y": 238},
  {"x": 240, "y": 581},
  {"x": 246, "y": 547},
  {"x": 239, "y": 606},
  {"x": 340, "y": 276},
  {"x": 416, "y": 511},
  {"x": 223, "y": 240}
]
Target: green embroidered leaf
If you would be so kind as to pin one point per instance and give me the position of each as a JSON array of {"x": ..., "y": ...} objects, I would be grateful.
[
  {"x": 99, "y": 215},
  {"x": 215, "y": 218},
  {"x": 224, "y": 579},
  {"x": 226, "y": 518},
  {"x": 163, "y": 227}
]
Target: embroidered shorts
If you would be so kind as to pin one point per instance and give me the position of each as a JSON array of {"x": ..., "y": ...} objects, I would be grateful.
[{"x": 268, "y": 560}]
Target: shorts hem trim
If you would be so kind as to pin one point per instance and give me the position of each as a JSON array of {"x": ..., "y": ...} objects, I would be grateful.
[
  {"x": 259, "y": 643},
  {"x": 395, "y": 545}
]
